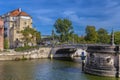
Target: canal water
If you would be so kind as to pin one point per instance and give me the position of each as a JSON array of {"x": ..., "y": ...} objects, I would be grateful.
[{"x": 45, "y": 69}]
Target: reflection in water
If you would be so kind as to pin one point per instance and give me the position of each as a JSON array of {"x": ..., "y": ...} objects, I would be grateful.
[
  {"x": 44, "y": 69},
  {"x": 91, "y": 77},
  {"x": 12, "y": 70}
]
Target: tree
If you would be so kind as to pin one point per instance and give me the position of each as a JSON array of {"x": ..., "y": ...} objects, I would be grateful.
[
  {"x": 64, "y": 29},
  {"x": 26, "y": 36},
  {"x": 91, "y": 34},
  {"x": 30, "y": 35},
  {"x": 117, "y": 37},
  {"x": 76, "y": 38},
  {"x": 82, "y": 39},
  {"x": 38, "y": 37},
  {"x": 103, "y": 36}
]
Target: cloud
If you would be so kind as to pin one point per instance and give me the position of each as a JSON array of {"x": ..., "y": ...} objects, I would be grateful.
[
  {"x": 46, "y": 20},
  {"x": 81, "y": 13}
]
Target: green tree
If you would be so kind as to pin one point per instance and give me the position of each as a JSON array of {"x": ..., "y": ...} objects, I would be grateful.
[
  {"x": 75, "y": 38},
  {"x": 26, "y": 36},
  {"x": 82, "y": 40},
  {"x": 117, "y": 37},
  {"x": 64, "y": 29},
  {"x": 91, "y": 34},
  {"x": 38, "y": 37},
  {"x": 103, "y": 36},
  {"x": 6, "y": 43},
  {"x": 30, "y": 35}
]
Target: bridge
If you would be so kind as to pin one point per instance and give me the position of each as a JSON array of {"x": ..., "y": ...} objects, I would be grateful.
[{"x": 67, "y": 51}]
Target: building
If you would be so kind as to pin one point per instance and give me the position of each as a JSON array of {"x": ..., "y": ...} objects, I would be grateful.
[
  {"x": 1, "y": 34},
  {"x": 14, "y": 22}
]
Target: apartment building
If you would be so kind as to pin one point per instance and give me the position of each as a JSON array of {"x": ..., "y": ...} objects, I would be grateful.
[{"x": 14, "y": 22}]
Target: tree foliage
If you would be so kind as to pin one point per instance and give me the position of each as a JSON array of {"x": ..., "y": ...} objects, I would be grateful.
[
  {"x": 91, "y": 34},
  {"x": 64, "y": 29},
  {"x": 38, "y": 37},
  {"x": 30, "y": 35},
  {"x": 103, "y": 36},
  {"x": 76, "y": 38},
  {"x": 117, "y": 37},
  {"x": 6, "y": 46}
]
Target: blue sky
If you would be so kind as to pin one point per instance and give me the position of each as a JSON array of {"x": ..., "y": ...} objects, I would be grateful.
[{"x": 100, "y": 13}]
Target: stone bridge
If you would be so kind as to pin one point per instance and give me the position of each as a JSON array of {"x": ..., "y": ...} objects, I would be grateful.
[{"x": 66, "y": 51}]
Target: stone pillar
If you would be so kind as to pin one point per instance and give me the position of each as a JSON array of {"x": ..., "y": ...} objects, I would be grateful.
[{"x": 116, "y": 61}]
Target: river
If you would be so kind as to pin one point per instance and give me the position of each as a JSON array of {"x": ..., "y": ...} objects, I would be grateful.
[{"x": 44, "y": 69}]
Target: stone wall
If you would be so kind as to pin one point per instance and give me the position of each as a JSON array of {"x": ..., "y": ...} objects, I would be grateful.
[
  {"x": 103, "y": 61},
  {"x": 33, "y": 54}
]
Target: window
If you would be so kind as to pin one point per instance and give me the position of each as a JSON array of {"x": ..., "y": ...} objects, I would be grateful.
[
  {"x": 25, "y": 23},
  {"x": 18, "y": 31}
]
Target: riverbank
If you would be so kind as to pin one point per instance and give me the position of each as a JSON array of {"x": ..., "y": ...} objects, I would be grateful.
[{"x": 32, "y": 54}]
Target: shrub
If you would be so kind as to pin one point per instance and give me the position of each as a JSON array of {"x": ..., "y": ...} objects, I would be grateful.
[
  {"x": 26, "y": 48},
  {"x": 6, "y": 43}
]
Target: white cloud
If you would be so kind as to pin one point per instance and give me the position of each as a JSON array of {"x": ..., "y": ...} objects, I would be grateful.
[
  {"x": 84, "y": 12},
  {"x": 45, "y": 20}
]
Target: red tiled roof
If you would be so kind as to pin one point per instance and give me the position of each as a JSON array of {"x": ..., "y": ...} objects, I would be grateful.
[
  {"x": 17, "y": 12},
  {"x": 23, "y": 14}
]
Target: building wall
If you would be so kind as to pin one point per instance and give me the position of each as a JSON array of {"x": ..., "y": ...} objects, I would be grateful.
[
  {"x": 1, "y": 35},
  {"x": 22, "y": 23},
  {"x": 13, "y": 27}
]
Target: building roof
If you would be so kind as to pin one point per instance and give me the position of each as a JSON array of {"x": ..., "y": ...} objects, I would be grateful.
[{"x": 18, "y": 12}]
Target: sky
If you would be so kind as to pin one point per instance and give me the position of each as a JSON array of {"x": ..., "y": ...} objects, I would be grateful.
[{"x": 98, "y": 13}]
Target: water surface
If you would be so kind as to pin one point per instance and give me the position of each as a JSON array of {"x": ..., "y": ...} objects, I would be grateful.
[{"x": 44, "y": 69}]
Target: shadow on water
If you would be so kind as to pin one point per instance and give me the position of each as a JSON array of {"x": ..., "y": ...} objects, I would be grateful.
[{"x": 93, "y": 77}]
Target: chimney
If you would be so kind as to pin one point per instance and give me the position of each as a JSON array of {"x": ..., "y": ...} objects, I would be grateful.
[{"x": 19, "y": 9}]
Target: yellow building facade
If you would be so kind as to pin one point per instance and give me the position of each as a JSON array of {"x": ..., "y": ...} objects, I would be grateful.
[{"x": 16, "y": 21}]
